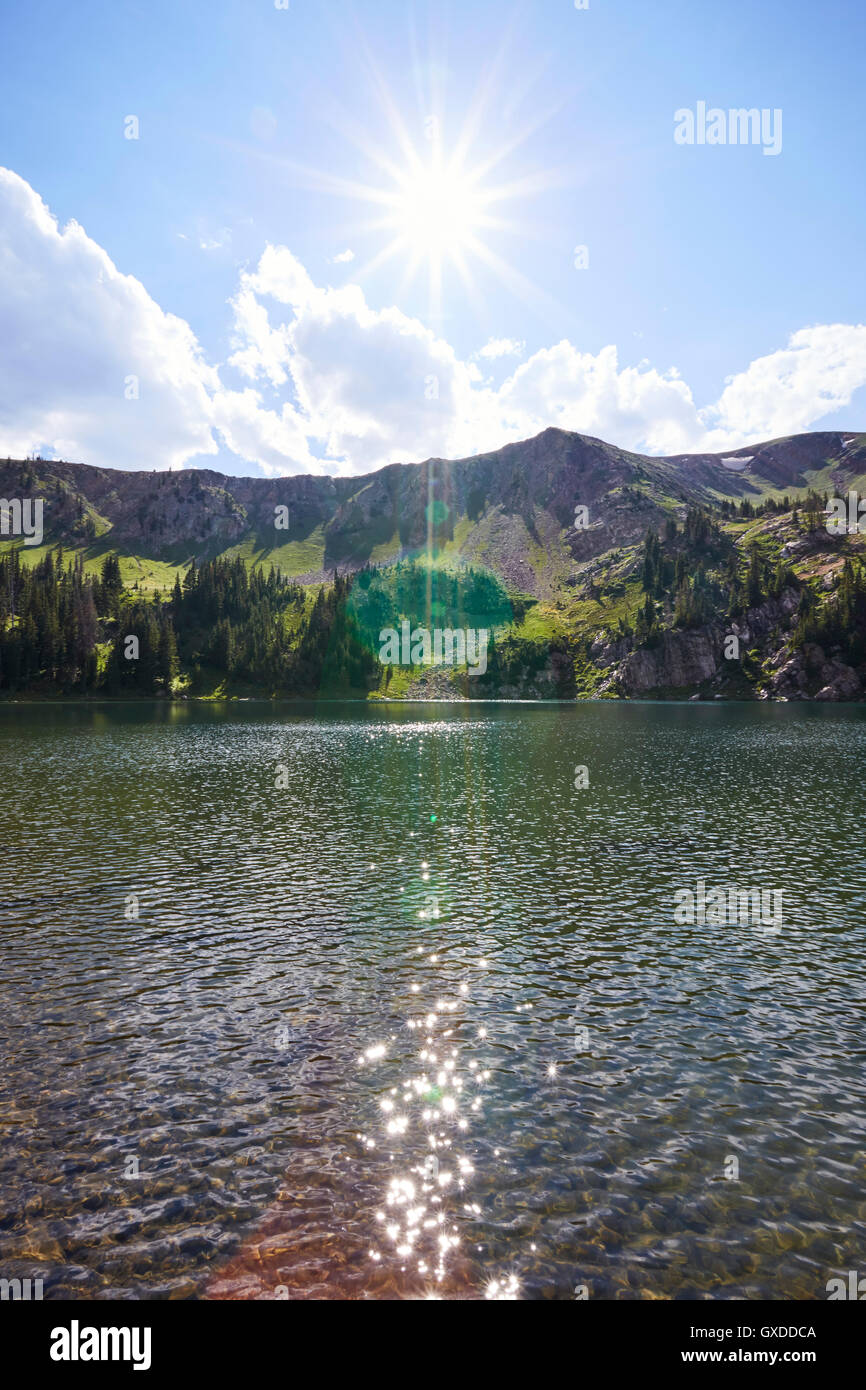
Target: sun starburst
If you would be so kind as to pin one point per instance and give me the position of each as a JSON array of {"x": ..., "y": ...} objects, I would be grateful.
[
  {"x": 445, "y": 193},
  {"x": 441, "y": 212}
]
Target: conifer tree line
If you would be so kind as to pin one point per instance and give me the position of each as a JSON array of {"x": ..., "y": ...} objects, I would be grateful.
[
  {"x": 699, "y": 574},
  {"x": 430, "y": 596},
  {"x": 49, "y": 624},
  {"x": 63, "y": 629},
  {"x": 840, "y": 621},
  {"x": 811, "y": 513}
]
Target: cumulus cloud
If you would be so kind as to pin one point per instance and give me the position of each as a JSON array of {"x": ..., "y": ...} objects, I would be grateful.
[
  {"x": 374, "y": 385},
  {"x": 344, "y": 257},
  {"x": 91, "y": 366},
  {"x": 501, "y": 347},
  {"x": 784, "y": 393},
  {"x": 276, "y": 440},
  {"x": 378, "y": 387},
  {"x": 635, "y": 407},
  {"x": 318, "y": 380}
]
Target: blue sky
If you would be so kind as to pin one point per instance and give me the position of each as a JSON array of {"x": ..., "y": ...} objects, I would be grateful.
[{"x": 722, "y": 303}]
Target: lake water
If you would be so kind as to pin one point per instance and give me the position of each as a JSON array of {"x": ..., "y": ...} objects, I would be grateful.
[{"x": 269, "y": 1029}]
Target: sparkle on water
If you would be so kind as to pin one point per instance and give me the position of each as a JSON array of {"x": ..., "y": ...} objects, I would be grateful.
[
  {"x": 323, "y": 1094},
  {"x": 428, "y": 1118}
]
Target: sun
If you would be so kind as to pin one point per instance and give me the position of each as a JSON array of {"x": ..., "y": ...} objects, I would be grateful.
[
  {"x": 446, "y": 206},
  {"x": 438, "y": 211},
  {"x": 442, "y": 194}
]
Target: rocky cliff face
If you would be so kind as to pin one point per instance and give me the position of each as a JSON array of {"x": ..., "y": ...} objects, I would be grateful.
[
  {"x": 681, "y": 660},
  {"x": 811, "y": 674},
  {"x": 697, "y": 660}
]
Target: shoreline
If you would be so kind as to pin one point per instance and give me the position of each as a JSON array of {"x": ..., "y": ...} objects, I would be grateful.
[{"x": 119, "y": 702}]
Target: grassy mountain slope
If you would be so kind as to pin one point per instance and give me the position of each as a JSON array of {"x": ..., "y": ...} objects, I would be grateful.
[{"x": 578, "y": 589}]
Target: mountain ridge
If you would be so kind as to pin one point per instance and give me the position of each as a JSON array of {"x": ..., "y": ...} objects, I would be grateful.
[
  {"x": 341, "y": 524},
  {"x": 626, "y": 575}
]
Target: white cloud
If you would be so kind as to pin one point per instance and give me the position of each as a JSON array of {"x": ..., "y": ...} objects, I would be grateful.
[
  {"x": 260, "y": 349},
  {"x": 320, "y": 381},
  {"x": 344, "y": 258},
  {"x": 274, "y": 439},
  {"x": 375, "y": 385},
  {"x": 379, "y": 387},
  {"x": 501, "y": 347},
  {"x": 75, "y": 337},
  {"x": 635, "y": 407},
  {"x": 784, "y": 393}
]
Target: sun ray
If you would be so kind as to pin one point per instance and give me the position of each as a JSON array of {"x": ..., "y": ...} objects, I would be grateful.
[
  {"x": 435, "y": 203},
  {"x": 519, "y": 285},
  {"x": 381, "y": 258}
]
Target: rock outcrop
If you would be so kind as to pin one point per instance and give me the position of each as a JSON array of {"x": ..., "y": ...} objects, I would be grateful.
[
  {"x": 696, "y": 658},
  {"x": 810, "y": 674}
]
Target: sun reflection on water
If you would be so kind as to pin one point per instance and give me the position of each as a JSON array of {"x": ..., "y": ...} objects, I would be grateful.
[{"x": 425, "y": 1123}]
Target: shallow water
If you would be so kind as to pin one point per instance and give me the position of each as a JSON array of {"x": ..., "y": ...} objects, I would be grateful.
[{"x": 191, "y": 1102}]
